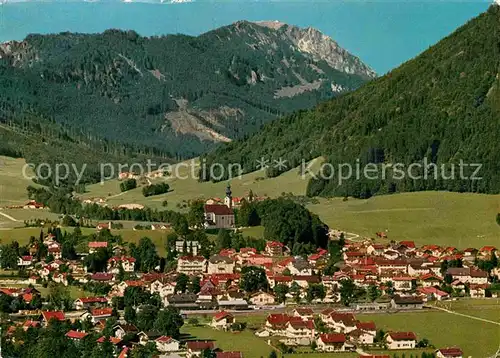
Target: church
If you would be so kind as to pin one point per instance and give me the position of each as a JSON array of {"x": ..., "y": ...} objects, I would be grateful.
[{"x": 218, "y": 216}]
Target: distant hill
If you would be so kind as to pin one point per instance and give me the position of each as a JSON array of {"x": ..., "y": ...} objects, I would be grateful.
[
  {"x": 172, "y": 97},
  {"x": 444, "y": 106}
]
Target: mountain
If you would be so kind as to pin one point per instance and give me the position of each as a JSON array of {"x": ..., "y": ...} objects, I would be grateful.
[
  {"x": 175, "y": 96},
  {"x": 443, "y": 106}
]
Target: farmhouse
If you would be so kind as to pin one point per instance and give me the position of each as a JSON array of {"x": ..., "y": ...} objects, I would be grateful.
[
  {"x": 166, "y": 344},
  {"x": 331, "y": 342},
  {"x": 449, "y": 353},
  {"x": 401, "y": 340},
  {"x": 222, "y": 320}
]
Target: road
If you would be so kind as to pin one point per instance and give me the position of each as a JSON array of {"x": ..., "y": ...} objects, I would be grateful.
[
  {"x": 466, "y": 315},
  {"x": 8, "y": 216}
]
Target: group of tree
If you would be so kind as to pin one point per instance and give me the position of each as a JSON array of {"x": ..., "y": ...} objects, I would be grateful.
[
  {"x": 128, "y": 184},
  {"x": 155, "y": 189}
]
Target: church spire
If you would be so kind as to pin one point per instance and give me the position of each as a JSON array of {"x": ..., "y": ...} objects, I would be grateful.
[{"x": 228, "y": 200}]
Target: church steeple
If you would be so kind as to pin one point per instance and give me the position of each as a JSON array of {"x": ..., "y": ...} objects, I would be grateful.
[{"x": 228, "y": 200}]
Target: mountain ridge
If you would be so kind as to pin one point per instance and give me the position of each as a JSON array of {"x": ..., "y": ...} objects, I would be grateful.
[
  {"x": 231, "y": 80},
  {"x": 434, "y": 106}
]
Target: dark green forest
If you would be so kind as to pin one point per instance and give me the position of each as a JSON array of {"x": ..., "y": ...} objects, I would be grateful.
[
  {"x": 107, "y": 95},
  {"x": 444, "y": 106}
]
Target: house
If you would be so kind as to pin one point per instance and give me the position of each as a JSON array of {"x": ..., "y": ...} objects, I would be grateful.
[
  {"x": 86, "y": 302},
  {"x": 218, "y": 217},
  {"x": 402, "y": 283},
  {"x": 449, "y": 353},
  {"x": 430, "y": 280},
  {"x": 341, "y": 322},
  {"x": 101, "y": 314},
  {"x": 222, "y": 320},
  {"x": 359, "y": 336},
  {"x": 182, "y": 301},
  {"x": 102, "y": 226},
  {"x": 304, "y": 313},
  {"x": 127, "y": 263},
  {"x": 300, "y": 267},
  {"x": 47, "y": 316},
  {"x": 220, "y": 264},
  {"x": 478, "y": 291},
  {"x": 262, "y": 299},
  {"x": 76, "y": 335},
  {"x": 468, "y": 275},
  {"x": 95, "y": 245},
  {"x": 274, "y": 248},
  {"x": 25, "y": 261},
  {"x": 407, "y": 302},
  {"x": 55, "y": 252},
  {"x": 487, "y": 251},
  {"x": 433, "y": 293},
  {"x": 191, "y": 265},
  {"x": 368, "y": 327},
  {"x": 102, "y": 277},
  {"x": 196, "y": 348},
  {"x": 299, "y": 331},
  {"x": 229, "y": 355},
  {"x": 146, "y": 337},
  {"x": 276, "y": 323},
  {"x": 121, "y": 330},
  {"x": 331, "y": 342},
  {"x": 166, "y": 344},
  {"x": 401, "y": 340}
]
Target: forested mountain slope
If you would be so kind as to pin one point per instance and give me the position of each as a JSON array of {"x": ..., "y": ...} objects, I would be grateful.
[
  {"x": 174, "y": 96},
  {"x": 444, "y": 106}
]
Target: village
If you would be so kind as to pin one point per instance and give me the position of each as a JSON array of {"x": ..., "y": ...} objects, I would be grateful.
[{"x": 305, "y": 302}]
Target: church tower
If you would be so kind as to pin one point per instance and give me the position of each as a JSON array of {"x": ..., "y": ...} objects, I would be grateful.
[{"x": 228, "y": 200}]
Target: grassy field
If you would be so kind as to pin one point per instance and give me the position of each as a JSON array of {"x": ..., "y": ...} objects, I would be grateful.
[
  {"x": 12, "y": 182},
  {"x": 189, "y": 188},
  {"x": 476, "y": 338},
  {"x": 22, "y": 235},
  {"x": 455, "y": 219},
  {"x": 443, "y": 218}
]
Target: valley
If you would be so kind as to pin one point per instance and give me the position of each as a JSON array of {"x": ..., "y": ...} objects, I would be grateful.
[{"x": 445, "y": 218}]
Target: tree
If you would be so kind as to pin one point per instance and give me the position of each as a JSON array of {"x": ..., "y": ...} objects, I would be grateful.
[
  {"x": 315, "y": 291},
  {"x": 295, "y": 290},
  {"x": 498, "y": 218},
  {"x": 208, "y": 353},
  {"x": 281, "y": 290},
  {"x": 147, "y": 258},
  {"x": 130, "y": 314},
  {"x": 373, "y": 292},
  {"x": 253, "y": 279},
  {"x": 195, "y": 285},
  {"x": 196, "y": 214},
  {"x": 128, "y": 184},
  {"x": 347, "y": 291},
  {"x": 223, "y": 239},
  {"x": 169, "y": 322},
  {"x": 59, "y": 296},
  {"x": 181, "y": 283},
  {"x": 68, "y": 221},
  {"x": 146, "y": 317}
]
